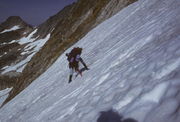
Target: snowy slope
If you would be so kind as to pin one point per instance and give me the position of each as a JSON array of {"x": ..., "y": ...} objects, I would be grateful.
[{"x": 134, "y": 61}]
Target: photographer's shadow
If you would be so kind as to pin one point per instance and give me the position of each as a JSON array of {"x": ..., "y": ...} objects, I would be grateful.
[{"x": 112, "y": 116}]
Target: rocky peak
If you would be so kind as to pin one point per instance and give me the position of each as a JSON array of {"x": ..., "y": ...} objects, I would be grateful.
[{"x": 14, "y": 21}]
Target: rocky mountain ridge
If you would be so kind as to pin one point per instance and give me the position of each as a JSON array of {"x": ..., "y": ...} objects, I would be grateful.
[{"x": 12, "y": 29}]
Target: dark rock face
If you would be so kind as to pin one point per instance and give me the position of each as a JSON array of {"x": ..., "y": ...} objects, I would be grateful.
[
  {"x": 75, "y": 14},
  {"x": 66, "y": 28},
  {"x": 10, "y": 52}
]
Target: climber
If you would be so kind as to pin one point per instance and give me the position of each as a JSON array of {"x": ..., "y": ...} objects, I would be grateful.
[{"x": 73, "y": 58}]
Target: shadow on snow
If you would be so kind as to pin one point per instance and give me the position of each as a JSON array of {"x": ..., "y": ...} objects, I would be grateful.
[{"x": 112, "y": 116}]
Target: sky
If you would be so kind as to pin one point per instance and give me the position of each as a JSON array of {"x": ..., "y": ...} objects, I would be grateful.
[{"x": 34, "y": 12}]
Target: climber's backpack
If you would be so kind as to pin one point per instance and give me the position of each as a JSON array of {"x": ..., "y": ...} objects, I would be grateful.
[{"x": 74, "y": 52}]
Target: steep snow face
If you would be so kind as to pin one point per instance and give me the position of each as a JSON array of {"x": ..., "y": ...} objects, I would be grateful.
[
  {"x": 134, "y": 61},
  {"x": 16, "y": 27},
  {"x": 31, "y": 48}
]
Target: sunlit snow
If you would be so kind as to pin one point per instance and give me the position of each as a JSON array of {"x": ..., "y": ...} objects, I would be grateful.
[{"x": 134, "y": 69}]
